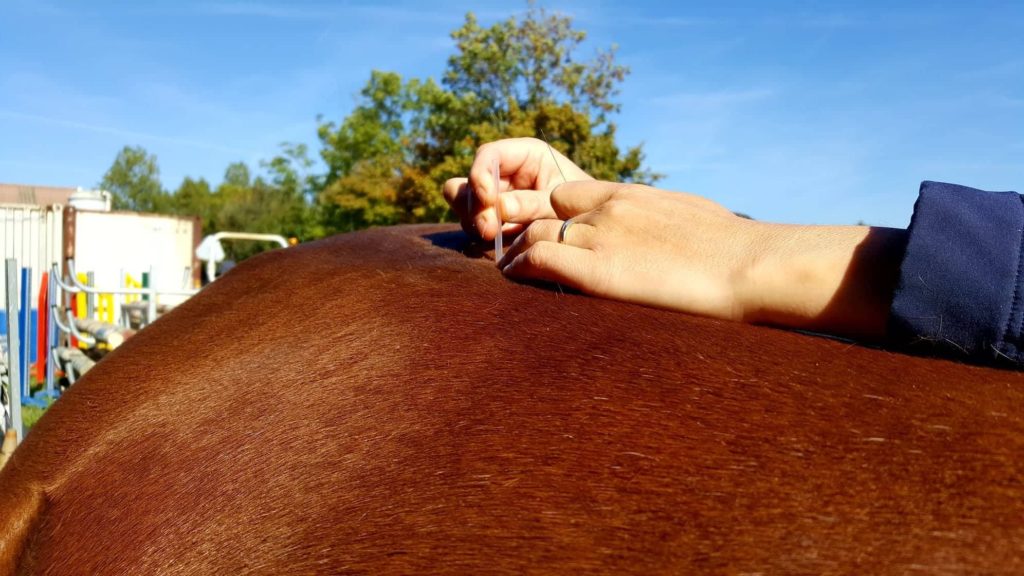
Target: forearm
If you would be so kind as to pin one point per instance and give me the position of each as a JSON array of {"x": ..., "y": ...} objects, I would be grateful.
[{"x": 835, "y": 279}]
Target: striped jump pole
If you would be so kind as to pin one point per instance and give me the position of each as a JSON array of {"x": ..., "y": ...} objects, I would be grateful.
[{"x": 52, "y": 335}]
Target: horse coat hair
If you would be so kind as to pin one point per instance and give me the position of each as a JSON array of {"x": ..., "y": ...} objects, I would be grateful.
[{"x": 379, "y": 402}]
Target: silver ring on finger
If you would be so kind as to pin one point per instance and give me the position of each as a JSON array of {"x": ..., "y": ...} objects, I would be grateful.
[{"x": 563, "y": 230}]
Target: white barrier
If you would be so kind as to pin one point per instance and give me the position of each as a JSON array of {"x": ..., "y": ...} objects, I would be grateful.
[{"x": 13, "y": 343}]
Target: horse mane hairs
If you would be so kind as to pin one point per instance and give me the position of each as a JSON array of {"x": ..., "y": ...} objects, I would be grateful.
[{"x": 382, "y": 403}]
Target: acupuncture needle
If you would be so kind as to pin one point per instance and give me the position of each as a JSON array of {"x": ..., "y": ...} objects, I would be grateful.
[
  {"x": 496, "y": 175},
  {"x": 553, "y": 157}
]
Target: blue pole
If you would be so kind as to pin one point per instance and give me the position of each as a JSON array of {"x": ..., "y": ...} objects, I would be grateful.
[{"x": 26, "y": 330}]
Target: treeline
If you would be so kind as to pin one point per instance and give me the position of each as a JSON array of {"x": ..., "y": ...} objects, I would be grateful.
[
  {"x": 280, "y": 199},
  {"x": 386, "y": 161}
]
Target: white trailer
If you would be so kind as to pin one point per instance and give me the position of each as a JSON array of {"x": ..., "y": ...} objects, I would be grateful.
[
  {"x": 108, "y": 246},
  {"x": 111, "y": 245}
]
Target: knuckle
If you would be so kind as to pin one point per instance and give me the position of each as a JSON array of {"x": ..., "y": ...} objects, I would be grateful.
[
  {"x": 632, "y": 189},
  {"x": 486, "y": 147},
  {"x": 538, "y": 256},
  {"x": 558, "y": 192},
  {"x": 527, "y": 203},
  {"x": 616, "y": 208},
  {"x": 450, "y": 189},
  {"x": 534, "y": 233}
]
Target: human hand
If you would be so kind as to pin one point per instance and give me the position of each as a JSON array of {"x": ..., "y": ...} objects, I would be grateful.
[
  {"x": 528, "y": 174},
  {"x": 684, "y": 252},
  {"x": 639, "y": 244}
]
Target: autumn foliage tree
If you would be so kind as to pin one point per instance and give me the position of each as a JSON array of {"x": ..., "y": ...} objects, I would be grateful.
[{"x": 520, "y": 77}]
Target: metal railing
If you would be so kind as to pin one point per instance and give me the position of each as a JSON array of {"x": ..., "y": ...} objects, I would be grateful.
[
  {"x": 211, "y": 263},
  {"x": 150, "y": 293}
]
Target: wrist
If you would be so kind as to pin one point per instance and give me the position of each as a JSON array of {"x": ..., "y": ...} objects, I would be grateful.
[
  {"x": 835, "y": 279},
  {"x": 770, "y": 284}
]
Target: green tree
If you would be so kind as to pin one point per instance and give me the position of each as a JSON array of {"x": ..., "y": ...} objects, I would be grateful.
[
  {"x": 278, "y": 200},
  {"x": 194, "y": 198},
  {"x": 387, "y": 160},
  {"x": 291, "y": 192},
  {"x": 365, "y": 156},
  {"x": 237, "y": 174},
  {"x": 134, "y": 181},
  {"x": 275, "y": 202}
]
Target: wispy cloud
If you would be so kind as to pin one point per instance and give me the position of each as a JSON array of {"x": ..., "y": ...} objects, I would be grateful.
[
  {"x": 824, "y": 21},
  {"x": 997, "y": 71},
  {"x": 34, "y": 89},
  {"x": 40, "y": 7},
  {"x": 268, "y": 10},
  {"x": 322, "y": 12},
  {"x": 713, "y": 100},
  {"x": 120, "y": 133},
  {"x": 1001, "y": 100},
  {"x": 666, "y": 22}
]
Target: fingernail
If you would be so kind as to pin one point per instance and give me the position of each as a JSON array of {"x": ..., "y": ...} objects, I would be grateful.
[
  {"x": 506, "y": 264},
  {"x": 481, "y": 223},
  {"x": 509, "y": 206}
]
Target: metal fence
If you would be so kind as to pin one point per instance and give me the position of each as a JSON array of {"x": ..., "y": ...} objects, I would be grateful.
[{"x": 34, "y": 236}]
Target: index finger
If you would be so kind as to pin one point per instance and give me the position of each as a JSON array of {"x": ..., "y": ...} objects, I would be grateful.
[{"x": 513, "y": 156}]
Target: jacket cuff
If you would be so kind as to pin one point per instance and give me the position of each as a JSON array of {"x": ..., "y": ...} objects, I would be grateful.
[{"x": 959, "y": 291}]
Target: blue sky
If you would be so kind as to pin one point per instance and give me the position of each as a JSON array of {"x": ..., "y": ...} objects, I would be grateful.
[{"x": 807, "y": 112}]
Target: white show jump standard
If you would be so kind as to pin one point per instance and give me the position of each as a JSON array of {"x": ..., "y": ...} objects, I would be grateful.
[
  {"x": 13, "y": 344},
  {"x": 211, "y": 251},
  {"x": 75, "y": 287}
]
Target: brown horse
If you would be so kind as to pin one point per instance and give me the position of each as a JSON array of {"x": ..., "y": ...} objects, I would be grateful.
[{"x": 381, "y": 403}]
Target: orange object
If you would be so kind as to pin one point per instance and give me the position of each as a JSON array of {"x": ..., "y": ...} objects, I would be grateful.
[
  {"x": 74, "y": 313},
  {"x": 42, "y": 327}
]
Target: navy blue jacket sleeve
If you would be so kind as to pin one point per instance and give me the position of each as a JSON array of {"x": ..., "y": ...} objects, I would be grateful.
[{"x": 961, "y": 284}]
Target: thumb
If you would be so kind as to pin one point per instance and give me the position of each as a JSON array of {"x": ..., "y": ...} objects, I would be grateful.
[{"x": 525, "y": 206}]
